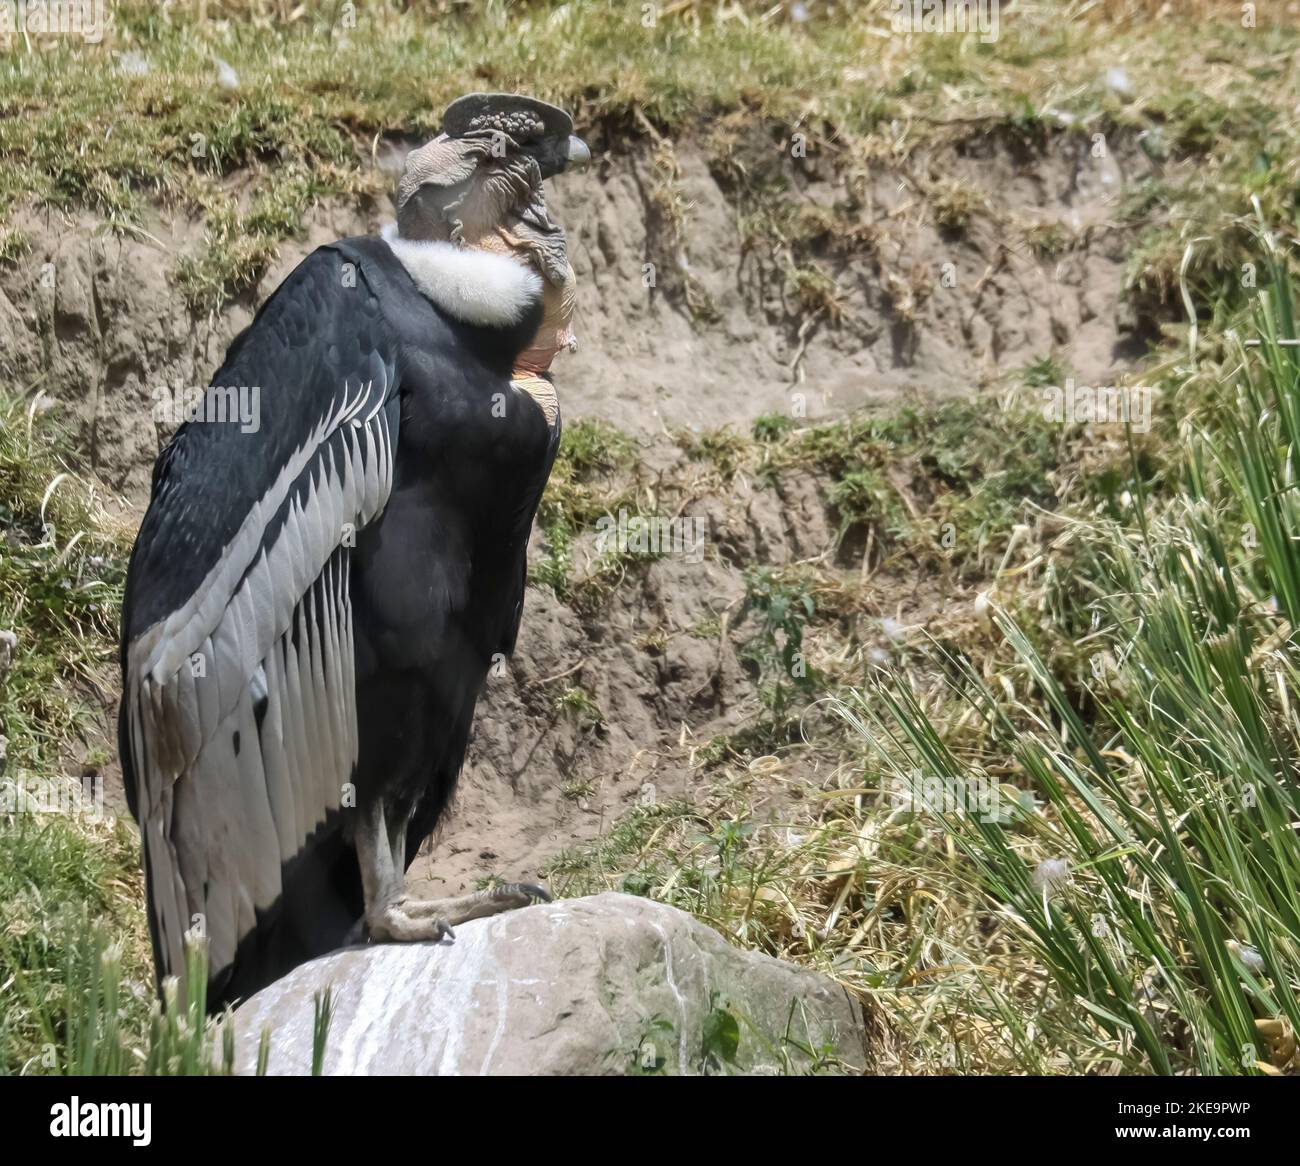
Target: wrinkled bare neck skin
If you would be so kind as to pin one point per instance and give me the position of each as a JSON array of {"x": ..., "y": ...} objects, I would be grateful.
[{"x": 481, "y": 191}]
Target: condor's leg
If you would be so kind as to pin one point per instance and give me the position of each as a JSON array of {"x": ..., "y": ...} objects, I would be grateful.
[{"x": 388, "y": 915}]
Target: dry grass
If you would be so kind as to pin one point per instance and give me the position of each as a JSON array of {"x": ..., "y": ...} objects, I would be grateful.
[
  {"x": 1051, "y": 831},
  {"x": 309, "y": 108}
]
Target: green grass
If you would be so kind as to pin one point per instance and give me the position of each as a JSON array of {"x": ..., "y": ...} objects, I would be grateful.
[
  {"x": 780, "y": 605},
  {"x": 941, "y": 483},
  {"x": 241, "y": 246},
  {"x": 61, "y": 575},
  {"x": 105, "y": 1026},
  {"x": 53, "y": 868},
  {"x": 61, "y": 571},
  {"x": 1061, "y": 839},
  {"x": 310, "y": 107},
  {"x": 588, "y": 482},
  {"x": 1168, "y": 934}
]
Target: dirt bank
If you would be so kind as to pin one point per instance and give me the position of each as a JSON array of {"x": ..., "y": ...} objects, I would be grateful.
[{"x": 845, "y": 283}]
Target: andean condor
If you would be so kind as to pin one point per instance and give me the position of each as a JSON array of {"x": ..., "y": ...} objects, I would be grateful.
[{"x": 313, "y": 603}]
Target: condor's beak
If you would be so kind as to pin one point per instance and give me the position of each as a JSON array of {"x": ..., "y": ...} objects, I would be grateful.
[{"x": 579, "y": 154}]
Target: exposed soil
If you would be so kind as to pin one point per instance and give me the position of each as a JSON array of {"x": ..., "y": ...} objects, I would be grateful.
[{"x": 94, "y": 321}]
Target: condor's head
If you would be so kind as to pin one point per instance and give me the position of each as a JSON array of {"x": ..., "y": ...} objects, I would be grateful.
[{"x": 479, "y": 183}]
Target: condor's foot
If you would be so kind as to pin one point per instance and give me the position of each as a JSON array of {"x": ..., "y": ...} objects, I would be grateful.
[
  {"x": 416, "y": 920},
  {"x": 480, "y": 904},
  {"x": 398, "y": 923}
]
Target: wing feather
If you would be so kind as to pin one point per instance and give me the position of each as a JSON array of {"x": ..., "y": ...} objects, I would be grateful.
[
  {"x": 237, "y": 761},
  {"x": 279, "y": 782}
]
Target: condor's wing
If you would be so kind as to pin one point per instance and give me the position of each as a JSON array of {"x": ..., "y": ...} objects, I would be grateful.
[{"x": 238, "y": 723}]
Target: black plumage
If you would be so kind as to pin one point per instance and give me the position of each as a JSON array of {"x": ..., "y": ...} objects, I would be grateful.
[{"x": 341, "y": 580}]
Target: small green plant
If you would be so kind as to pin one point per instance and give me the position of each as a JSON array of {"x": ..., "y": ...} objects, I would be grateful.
[
  {"x": 781, "y": 608},
  {"x": 772, "y": 426},
  {"x": 576, "y": 702},
  {"x": 1047, "y": 239},
  {"x": 584, "y": 486},
  {"x": 1043, "y": 372},
  {"x": 720, "y": 1038},
  {"x": 815, "y": 293},
  {"x": 239, "y": 248},
  {"x": 713, "y": 751},
  {"x": 577, "y": 789},
  {"x": 865, "y": 497},
  {"x": 709, "y": 628},
  {"x": 724, "y": 448},
  {"x": 645, "y": 1058},
  {"x": 322, "y": 1013}
]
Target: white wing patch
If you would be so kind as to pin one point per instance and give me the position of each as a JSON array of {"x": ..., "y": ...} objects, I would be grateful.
[{"x": 224, "y": 802}]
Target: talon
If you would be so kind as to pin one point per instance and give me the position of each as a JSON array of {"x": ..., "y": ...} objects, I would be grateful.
[{"x": 446, "y": 930}]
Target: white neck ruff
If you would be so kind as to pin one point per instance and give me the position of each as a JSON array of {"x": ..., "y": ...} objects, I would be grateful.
[{"x": 479, "y": 287}]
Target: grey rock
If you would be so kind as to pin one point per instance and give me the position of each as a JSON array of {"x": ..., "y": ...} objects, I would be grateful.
[{"x": 610, "y": 984}]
